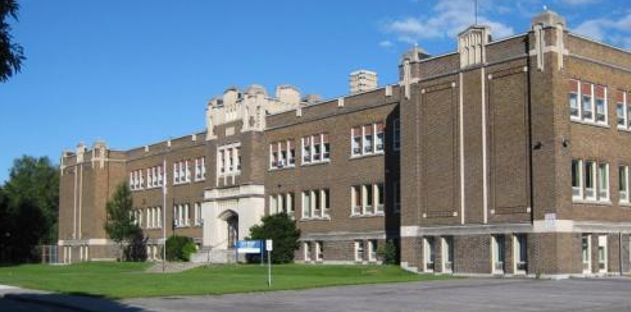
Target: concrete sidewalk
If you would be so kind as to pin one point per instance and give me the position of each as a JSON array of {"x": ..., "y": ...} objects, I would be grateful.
[{"x": 69, "y": 302}]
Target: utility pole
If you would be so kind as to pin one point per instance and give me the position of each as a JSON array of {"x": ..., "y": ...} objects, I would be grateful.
[{"x": 164, "y": 212}]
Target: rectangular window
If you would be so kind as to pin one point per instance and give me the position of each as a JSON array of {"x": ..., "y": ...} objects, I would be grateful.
[
  {"x": 356, "y": 134},
  {"x": 326, "y": 147},
  {"x": 573, "y": 98},
  {"x": 368, "y": 197},
  {"x": 623, "y": 183},
  {"x": 372, "y": 250},
  {"x": 317, "y": 147},
  {"x": 307, "y": 249},
  {"x": 319, "y": 251},
  {"x": 291, "y": 156},
  {"x": 290, "y": 204},
  {"x": 428, "y": 253},
  {"x": 368, "y": 139},
  {"x": 587, "y": 103},
  {"x": 359, "y": 250},
  {"x": 590, "y": 183},
  {"x": 396, "y": 134},
  {"x": 448, "y": 253},
  {"x": 601, "y": 104},
  {"x": 306, "y": 149},
  {"x": 498, "y": 253},
  {"x": 198, "y": 214},
  {"x": 603, "y": 182},
  {"x": 317, "y": 203},
  {"x": 577, "y": 179},
  {"x": 380, "y": 197},
  {"x": 356, "y": 194},
  {"x": 282, "y": 155},
  {"x": 379, "y": 137},
  {"x": 586, "y": 250},
  {"x": 326, "y": 209},
  {"x": 621, "y": 111},
  {"x": 602, "y": 253},
  {"x": 306, "y": 204},
  {"x": 520, "y": 252}
]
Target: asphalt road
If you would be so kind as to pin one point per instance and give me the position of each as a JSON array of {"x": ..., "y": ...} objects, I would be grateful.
[
  {"x": 8, "y": 305},
  {"x": 462, "y": 295}
]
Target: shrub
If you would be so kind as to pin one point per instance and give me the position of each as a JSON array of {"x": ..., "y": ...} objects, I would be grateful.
[
  {"x": 180, "y": 248},
  {"x": 282, "y": 230},
  {"x": 388, "y": 252}
]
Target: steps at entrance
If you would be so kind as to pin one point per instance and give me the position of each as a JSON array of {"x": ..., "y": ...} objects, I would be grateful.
[{"x": 214, "y": 256}]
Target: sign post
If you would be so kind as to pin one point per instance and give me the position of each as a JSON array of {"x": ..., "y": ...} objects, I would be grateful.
[{"x": 269, "y": 246}]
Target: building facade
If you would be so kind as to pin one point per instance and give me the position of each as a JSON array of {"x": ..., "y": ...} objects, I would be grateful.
[{"x": 505, "y": 157}]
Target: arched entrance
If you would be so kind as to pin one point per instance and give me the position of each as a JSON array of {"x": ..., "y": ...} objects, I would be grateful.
[{"x": 231, "y": 228}]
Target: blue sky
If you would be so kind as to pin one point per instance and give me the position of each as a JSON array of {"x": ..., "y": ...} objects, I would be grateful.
[{"x": 136, "y": 72}]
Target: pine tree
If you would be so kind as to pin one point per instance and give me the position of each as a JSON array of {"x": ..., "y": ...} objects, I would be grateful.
[{"x": 120, "y": 225}]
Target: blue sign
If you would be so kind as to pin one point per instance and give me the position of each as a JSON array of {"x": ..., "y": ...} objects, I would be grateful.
[{"x": 249, "y": 246}]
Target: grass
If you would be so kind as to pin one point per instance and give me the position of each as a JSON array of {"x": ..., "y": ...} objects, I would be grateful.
[{"x": 129, "y": 280}]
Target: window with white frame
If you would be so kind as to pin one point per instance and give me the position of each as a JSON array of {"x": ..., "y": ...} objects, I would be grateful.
[
  {"x": 396, "y": 134},
  {"x": 622, "y": 110},
  {"x": 588, "y": 102},
  {"x": 586, "y": 251},
  {"x": 359, "y": 250},
  {"x": 577, "y": 179},
  {"x": 279, "y": 203},
  {"x": 181, "y": 215},
  {"x": 136, "y": 180},
  {"x": 181, "y": 172},
  {"x": 428, "y": 253},
  {"x": 520, "y": 253},
  {"x": 307, "y": 250},
  {"x": 367, "y": 139},
  {"x": 316, "y": 148},
  {"x": 372, "y": 250},
  {"x": 603, "y": 182},
  {"x": 602, "y": 253},
  {"x": 315, "y": 204},
  {"x": 282, "y": 154},
  {"x": 590, "y": 181},
  {"x": 448, "y": 253},
  {"x": 623, "y": 184},
  {"x": 200, "y": 168},
  {"x": 319, "y": 249},
  {"x": 367, "y": 199},
  {"x": 229, "y": 159},
  {"x": 198, "y": 214},
  {"x": 498, "y": 253}
]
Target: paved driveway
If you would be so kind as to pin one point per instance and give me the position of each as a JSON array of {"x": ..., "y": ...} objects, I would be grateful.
[{"x": 463, "y": 295}]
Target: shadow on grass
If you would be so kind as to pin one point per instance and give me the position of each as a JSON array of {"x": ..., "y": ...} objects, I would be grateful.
[{"x": 77, "y": 301}]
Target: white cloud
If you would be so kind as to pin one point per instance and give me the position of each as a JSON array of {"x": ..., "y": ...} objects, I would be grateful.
[
  {"x": 577, "y": 2},
  {"x": 614, "y": 30},
  {"x": 447, "y": 19},
  {"x": 386, "y": 44}
]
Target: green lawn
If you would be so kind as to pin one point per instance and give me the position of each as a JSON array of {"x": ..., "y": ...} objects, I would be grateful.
[{"x": 128, "y": 280}]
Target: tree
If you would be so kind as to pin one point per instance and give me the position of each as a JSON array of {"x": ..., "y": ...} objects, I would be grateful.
[
  {"x": 120, "y": 225},
  {"x": 34, "y": 185},
  {"x": 11, "y": 54},
  {"x": 282, "y": 230},
  {"x": 180, "y": 248}
]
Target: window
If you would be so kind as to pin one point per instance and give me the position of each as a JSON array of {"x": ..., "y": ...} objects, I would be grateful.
[
  {"x": 379, "y": 137},
  {"x": 428, "y": 253},
  {"x": 282, "y": 154},
  {"x": 623, "y": 183},
  {"x": 200, "y": 168},
  {"x": 593, "y": 102},
  {"x": 497, "y": 247},
  {"x": 577, "y": 179},
  {"x": 603, "y": 182},
  {"x": 307, "y": 250},
  {"x": 229, "y": 159},
  {"x": 621, "y": 110},
  {"x": 396, "y": 134},
  {"x": 372, "y": 250},
  {"x": 602, "y": 253},
  {"x": 315, "y": 204},
  {"x": 586, "y": 250},
  {"x": 316, "y": 148},
  {"x": 187, "y": 219},
  {"x": 356, "y": 136},
  {"x": 198, "y": 214},
  {"x": 359, "y": 250},
  {"x": 590, "y": 184},
  {"x": 319, "y": 251},
  {"x": 181, "y": 172},
  {"x": 573, "y": 98},
  {"x": 367, "y": 199},
  {"x": 448, "y": 253},
  {"x": 520, "y": 252}
]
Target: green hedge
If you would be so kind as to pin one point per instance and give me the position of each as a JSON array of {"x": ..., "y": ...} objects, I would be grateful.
[{"x": 180, "y": 248}]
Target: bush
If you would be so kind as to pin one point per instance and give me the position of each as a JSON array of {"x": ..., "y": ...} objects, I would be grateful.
[
  {"x": 180, "y": 248},
  {"x": 388, "y": 252},
  {"x": 282, "y": 230}
]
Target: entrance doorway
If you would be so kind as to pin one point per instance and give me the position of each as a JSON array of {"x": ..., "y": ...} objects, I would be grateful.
[{"x": 233, "y": 230}]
